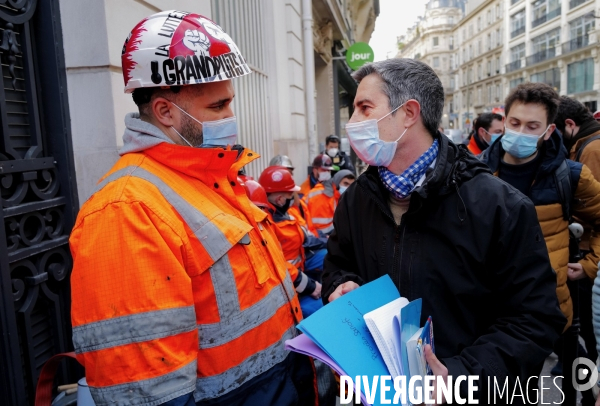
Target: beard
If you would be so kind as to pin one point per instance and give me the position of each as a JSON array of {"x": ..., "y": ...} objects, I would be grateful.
[{"x": 191, "y": 131}]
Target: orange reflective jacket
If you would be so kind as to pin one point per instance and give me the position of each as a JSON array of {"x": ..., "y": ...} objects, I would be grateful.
[
  {"x": 290, "y": 235},
  {"x": 305, "y": 187},
  {"x": 473, "y": 147},
  {"x": 322, "y": 201},
  {"x": 302, "y": 214},
  {"x": 178, "y": 282}
]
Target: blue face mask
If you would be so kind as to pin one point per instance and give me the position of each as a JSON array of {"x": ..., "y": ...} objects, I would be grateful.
[
  {"x": 217, "y": 133},
  {"x": 343, "y": 189},
  {"x": 494, "y": 137},
  {"x": 520, "y": 145},
  {"x": 365, "y": 141}
]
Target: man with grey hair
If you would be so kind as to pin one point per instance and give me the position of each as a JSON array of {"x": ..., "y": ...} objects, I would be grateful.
[{"x": 435, "y": 219}]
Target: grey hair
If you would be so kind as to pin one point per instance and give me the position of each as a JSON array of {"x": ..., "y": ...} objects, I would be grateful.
[{"x": 405, "y": 79}]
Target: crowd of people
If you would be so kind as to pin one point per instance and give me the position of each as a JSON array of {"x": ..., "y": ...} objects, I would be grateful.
[{"x": 189, "y": 275}]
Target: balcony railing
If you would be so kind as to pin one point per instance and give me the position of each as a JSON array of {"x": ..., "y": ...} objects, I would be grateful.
[
  {"x": 513, "y": 2},
  {"x": 547, "y": 17},
  {"x": 541, "y": 56},
  {"x": 576, "y": 43},
  {"x": 513, "y": 66},
  {"x": 575, "y": 3},
  {"x": 516, "y": 32}
]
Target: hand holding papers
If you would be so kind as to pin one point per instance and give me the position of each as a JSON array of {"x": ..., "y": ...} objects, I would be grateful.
[{"x": 364, "y": 334}]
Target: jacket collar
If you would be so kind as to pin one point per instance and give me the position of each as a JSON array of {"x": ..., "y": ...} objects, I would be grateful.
[
  {"x": 584, "y": 138},
  {"x": 454, "y": 165},
  {"x": 140, "y": 135},
  {"x": 196, "y": 162}
]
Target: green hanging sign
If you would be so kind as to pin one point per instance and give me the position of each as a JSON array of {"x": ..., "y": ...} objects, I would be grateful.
[{"x": 358, "y": 54}]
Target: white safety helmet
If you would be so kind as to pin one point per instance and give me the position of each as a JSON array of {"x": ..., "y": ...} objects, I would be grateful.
[{"x": 175, "y": 48}]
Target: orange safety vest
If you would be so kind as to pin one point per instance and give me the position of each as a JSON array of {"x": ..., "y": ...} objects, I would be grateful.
[
  {"x": 305, "y": 187},
  {"x": 303, "y": 216},
  {"x": 473, "y": 147},
  {"x": 322, "y": 201},
  {"x": 178, "y": 282},
  {"x": 290, "y": 235}
]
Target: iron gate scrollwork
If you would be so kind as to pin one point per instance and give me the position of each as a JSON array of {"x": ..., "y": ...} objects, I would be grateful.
[{"x": 37, "y": 195}]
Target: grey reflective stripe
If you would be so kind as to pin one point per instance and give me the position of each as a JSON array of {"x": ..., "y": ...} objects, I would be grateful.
[
  {"x": 303, "y": 283},
  {"x": 315, "y": 193},
  {"x": 133, "y": 328},
  {"x": 121, "y": 173},
  {"x": 209, "y": 235},
  {"x": 288, "y": 285},
  {"x": 296, "y": 260},
  {"x": 322, "y": 220},
  {"x": 234, "y": 322},
  {"x": 148, "y": 392},
  {"x": 256, "y": 364},
  {"x": 223, "y": 281},
  {"x": 327, "y": 229}
]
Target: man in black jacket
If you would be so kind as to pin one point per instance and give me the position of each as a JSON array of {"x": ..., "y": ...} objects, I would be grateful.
[
  {"x": 435, "y": 219},
  {"x": 339, "y": 157}
]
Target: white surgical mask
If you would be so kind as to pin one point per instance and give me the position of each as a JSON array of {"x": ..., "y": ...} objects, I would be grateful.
[
  {"x": 219, "y": 132},
  {"x": 323, "y": 176},
  {"x": 364, "y": 139},
  {"x": 332, "y": 152}
]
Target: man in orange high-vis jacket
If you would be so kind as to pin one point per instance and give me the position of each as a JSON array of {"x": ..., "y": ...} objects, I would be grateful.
[
  {"x": 295, "y": 239},
  {"x": 320, "y": 172},
  {"x": 180, "y": 292},
  {"x": 322, "y": 200},
  {"x": 298, "y": 208}
]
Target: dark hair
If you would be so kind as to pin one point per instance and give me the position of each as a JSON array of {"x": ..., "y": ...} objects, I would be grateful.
[
  {"x": 144, "y": 95},
  {"x": 332, "y": 138},
  {"x": 485, "y": 121},
  {"x": 405, "y": 79},
  {"x": 536, "y": 93},
  {"x": 573, "y": 109}
]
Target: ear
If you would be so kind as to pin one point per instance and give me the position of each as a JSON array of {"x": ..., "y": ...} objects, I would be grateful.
[
  {"x": 549, "y": 132},
  {"x": 163, "y": 111},
  {"x": 569, "y": 122},
  {"x": 412, "y": 110}
]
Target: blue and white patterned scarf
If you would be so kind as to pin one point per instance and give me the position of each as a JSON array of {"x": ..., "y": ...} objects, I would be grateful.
[{"x": 402, "y": 185}]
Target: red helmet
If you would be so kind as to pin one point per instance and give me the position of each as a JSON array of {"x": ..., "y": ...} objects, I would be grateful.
[
  {"x": 597, "y": 115},
  {"x": 277, "y": 179},
  {"x": 256, "y": 193}
]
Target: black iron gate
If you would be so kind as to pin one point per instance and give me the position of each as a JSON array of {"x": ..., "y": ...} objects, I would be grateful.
[{"x": 37, "y": 194}]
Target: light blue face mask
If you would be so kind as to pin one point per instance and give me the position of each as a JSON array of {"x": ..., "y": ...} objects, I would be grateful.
[
  {"x": 343, "y": 189},
  {"x": 520, "y": 145},
  {"x": 365, "y": 141},
  {"x": 214, "y": 133},
  {"x": 494, "y": 137}
]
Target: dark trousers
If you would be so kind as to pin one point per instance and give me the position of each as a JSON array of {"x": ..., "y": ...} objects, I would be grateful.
[{"x": 568, "y": 347}]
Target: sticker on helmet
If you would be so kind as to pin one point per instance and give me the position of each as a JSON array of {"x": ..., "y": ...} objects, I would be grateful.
[
  {"x": 197, "y": 42},
  {"x": 277, "y": 176}
]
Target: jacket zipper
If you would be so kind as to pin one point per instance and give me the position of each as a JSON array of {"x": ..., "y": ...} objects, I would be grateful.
[
  {"x": 396, "y": 240},
  {"x": 396, "y": 271}
]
